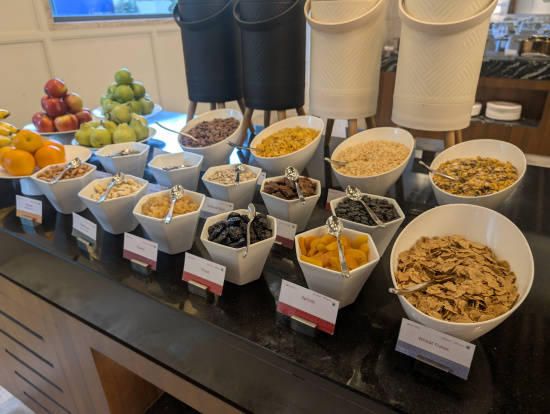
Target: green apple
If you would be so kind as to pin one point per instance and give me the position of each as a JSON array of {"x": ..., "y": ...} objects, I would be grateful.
[
  {"x": 121, "y": 114},
  {"x": 141, "y": 130},
  {"x": 136, "y": 107},
  {"x": 100, "y": 137},
  {"x": 124, "y": 133},
  {"x": 104, "y": 99},
  {"x": 124, "y": 77},
  {"x": 124, "y": 93},
  {"x": 147, "y": 104},
  {"x": 111, "y": 90},
  {"x": 109, "y": 106},
  {"x": 139, "y": 90},
  {"x": 110, "y": 126},
  {"x": 82, "y": 136}
]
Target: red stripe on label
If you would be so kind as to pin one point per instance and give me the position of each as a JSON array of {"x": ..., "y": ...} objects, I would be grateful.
[
  {"x": 291, "y": 311},
  {"x": 288, "y": 243},
  {"x": 131, "y": 255},
  {"x": 327, "y": 206},
  {"x": 212, "y": 287}
]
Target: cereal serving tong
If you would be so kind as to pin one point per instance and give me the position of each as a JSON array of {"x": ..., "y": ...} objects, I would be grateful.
[
  {"x": 434, "y": 171},
  {"x": 183, "y": 134},
  {"x": 419, "y": 286}
]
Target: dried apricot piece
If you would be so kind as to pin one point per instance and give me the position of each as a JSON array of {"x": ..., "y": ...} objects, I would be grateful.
[{"x": 359, "y": 240}]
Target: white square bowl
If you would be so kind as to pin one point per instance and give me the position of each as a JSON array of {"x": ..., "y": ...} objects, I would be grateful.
[
  {"x": 176, "y": 236},
  {"x": 114, "y": 215},
  {"x": 290, "y": 210},
  {"x": 64, "y": 194},
  {"x": 133, "y": 164},
  {"x": 381, "y": 236},
  {"x": 187, "y": 177},
  {"x": 240, "y": 195},
  {"x": 239, "y": 271},
  {"x": 330, "y": 282}
]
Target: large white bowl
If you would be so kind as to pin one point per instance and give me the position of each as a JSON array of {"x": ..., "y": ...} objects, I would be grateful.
[
  {"x": 290, "y": 210},
  {"x": 114, "y": 215},
  {"x": 176, "y": 236},
  {"x": 478, "y": 224},
  {"x": 188, "y": 177},
  {"x": 64, "y": 194},
  {"x": 298, "y": 159},
  {"x": 133, "y": 164},
  {"x": 240, "y": 195},
  {"x": 381, "y": 236},
  {"x": 217, "y": 154},
  {"x": 239, "y": 270},
  {"x": 503, "y": 151},
  {"x": 376, "y": 184},
  {"x": 330, "y": 282}
]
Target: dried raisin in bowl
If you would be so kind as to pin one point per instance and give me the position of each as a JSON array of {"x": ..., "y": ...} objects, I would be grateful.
[
  {"x": 477, "y": 224},
  {"x": 330, "y": 282}
]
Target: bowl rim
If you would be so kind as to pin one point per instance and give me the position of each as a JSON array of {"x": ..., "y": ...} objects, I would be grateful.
[
  {"x": 368, "y": 132},
  {"x": 220, "y": 167},
  {"x": 498, "y": 319},
  {"x": 485, "y": 196},
  {"x": 146, "y": 147},
  {"x": 394, "y": 202},
  {"x": 144, "y": 183},
  {"x": 271, "y": 196},
  {"x": 370, "y": 242},
  {"x": 193, "y": 154},
  {"x": 186, "y": 127},
  {"x": 233, "y": 249},
  {"x": 155, "y": 219},
  {"x": 269, "y": 128},
  {"x": 34, "y": 176}
]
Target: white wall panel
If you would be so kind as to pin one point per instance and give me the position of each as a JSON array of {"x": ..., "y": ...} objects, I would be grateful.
[
  {"x": 23, "y": 73},
  {"x": 17, "y": 16},
  {"x": 88, "y": 65}
]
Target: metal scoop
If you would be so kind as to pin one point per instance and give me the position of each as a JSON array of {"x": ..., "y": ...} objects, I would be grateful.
[
  {"x": 419, "y": 286},
  {"x": 74, "y": 163},
  {"x": 434, "y": 171},
  {"x": 243, "y": 146},
  {"x": 183, "y": 134},
  {"x": 251, "y": 215},
  {"x": 125, "y": 151},
  {"x": 292, "y": 174},
  {"x": 176, "y": 192},
  {"x": 342, "y": 163},
  {"x": 354, "y": 194},
  {"x": 117, "y": 179},
  {"x": 335, "y": 228},
  {"x": 239, "y": 168}
]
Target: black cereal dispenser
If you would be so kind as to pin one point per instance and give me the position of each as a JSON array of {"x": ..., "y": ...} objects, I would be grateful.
[
  {"x": 273, "y": 39},
  {"x": 211, "y": 49}
]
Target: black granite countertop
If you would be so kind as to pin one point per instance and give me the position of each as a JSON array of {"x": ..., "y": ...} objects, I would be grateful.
[{"x": 237, "y": 346}]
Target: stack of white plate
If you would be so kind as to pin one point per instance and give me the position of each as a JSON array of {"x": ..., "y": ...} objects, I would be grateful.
[
  {"x": 476, "y": 109},
  {"x": 503, "y": 111}
]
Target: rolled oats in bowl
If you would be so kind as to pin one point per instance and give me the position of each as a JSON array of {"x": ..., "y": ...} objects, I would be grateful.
[
  {"x": 371, "y": 158},
  {"x": 228, "y": 176}
]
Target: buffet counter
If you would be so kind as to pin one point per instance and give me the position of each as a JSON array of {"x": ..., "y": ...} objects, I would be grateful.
[{"x": 236, "y": 350}]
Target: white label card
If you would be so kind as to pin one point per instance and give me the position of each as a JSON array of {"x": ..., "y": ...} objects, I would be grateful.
[
  {"x": 212, "y": 207},
  {"x": 205, "y": 272},
  {"x": 309, "y": 305},
  {"x": 285, "y": 233},
  {"x": 333, "y": 195},
  {"x": 446, "y": 352},
  {"x": 155, "y": 188},
  {"x": 261, "y": 178},
  {"x": 28, "y": 208},
  {"x": 141, "y": 249},
  {"x": 101, "y": 174},
  {"x": 84, "y": 228}
]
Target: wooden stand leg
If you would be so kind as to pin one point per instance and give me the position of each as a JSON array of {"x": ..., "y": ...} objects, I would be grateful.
[
  {"x": 300, "y": 111},
  {"x": 459, "y": 136},
  {"x": 191, "y": 110},
  {"x": 328, "y": 131},
  {"x": 449, "y": 138},
  {"x": 352, "y": 127},
  {"x": 371, "y": 123},
  {"x": 241, "y": 105},
  {"x": 267, "y": 118},
  {"x": 221, "y": 105},
  {"x": 281, "y": 115},
  {"x": 212, "y": 106},
  {"x": 246, "y": 121}
]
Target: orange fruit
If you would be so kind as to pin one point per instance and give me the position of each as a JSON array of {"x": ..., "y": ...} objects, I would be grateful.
[
  {"x": 27, "y": 140},
  {"x": 48, "y": 155},
  {"x": 54, "y": 143},
  {"x": 3, "y": 152},
  {"x": 19, "y": 162}
]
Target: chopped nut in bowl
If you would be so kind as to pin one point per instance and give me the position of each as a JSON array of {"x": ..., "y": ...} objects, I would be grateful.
[
  {"x": 114, "y": 214},
  {"x": 485, "y": 254},
  {"x": 220, "y": 182},
  {"x": 489, "y": 171},
  {"x": 64, "y": 194}
]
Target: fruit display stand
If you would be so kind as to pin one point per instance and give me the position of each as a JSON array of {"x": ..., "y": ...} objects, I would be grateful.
[{"x": 111, "y": 339}]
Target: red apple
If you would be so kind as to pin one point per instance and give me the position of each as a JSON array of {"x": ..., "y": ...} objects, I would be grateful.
[
  {"x": 73, "y": 102},
  {"x": 67, "y": 122},
  {"x": 55, "y": 88},
  {"x": 55, "y": 107},
  {"x": 43, "y": 100},
  {"x": 45, "y": 124},
  {"x": 83, "y": 116},
  {"x": 36, "y": 116}
]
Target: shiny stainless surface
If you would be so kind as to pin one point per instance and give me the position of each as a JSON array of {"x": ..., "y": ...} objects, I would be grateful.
[
  {"x": 117, "y": 179},
  {"x": 335, "y": 228},
  {"x": 176, "y": 192},
  {"x": 74, "y": 163},
  {"x": 355, "y": 194}
]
